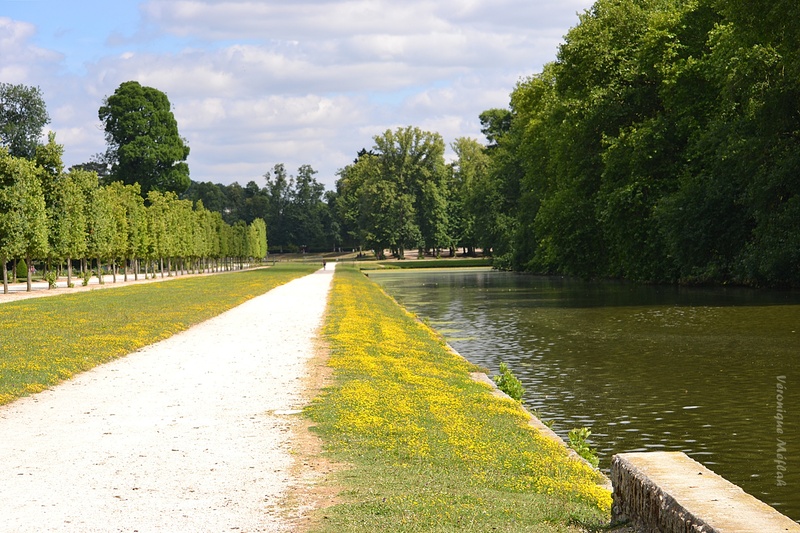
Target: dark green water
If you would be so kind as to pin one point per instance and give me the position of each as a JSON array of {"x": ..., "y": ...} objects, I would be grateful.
[{"x": 711, "y": 372}]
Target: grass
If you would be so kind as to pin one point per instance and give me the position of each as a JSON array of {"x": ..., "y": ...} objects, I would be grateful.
[
  {"x": 46, "y": 340},
  {"x": 429, "y": 449},
  {"x": 435, "y": 263}
]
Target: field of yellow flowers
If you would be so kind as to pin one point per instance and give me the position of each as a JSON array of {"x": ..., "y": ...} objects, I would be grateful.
[
  {"x": 430, "y": 449},
  {"x": 46, "y": 340}
]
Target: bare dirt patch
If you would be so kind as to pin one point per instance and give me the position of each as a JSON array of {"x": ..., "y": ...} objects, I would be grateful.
[{"x": 314, "y": 488}]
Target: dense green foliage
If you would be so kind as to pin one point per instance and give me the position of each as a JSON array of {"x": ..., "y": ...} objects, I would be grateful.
[
  {"x": 22, "y": 116},
  {"x": 661, "y": 145},
  {"x": 294, "y": 208},
  {"x": 396, "y": 195},
  {"x": 51, "y": 215},
  {"x": 144, "y": 146}
]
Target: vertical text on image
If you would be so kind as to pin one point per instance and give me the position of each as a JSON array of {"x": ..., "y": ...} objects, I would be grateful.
[{"x": 780, "y": 415}]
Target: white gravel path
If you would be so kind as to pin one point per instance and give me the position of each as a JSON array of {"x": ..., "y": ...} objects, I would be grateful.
[{"x": 190, "y": 434}]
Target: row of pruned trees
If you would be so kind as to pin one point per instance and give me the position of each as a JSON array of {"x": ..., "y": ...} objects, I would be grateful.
[{"x": 58, "y": 217}]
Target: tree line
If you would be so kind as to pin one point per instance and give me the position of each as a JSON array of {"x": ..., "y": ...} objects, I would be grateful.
[
  {"x": 662, "y": 145},
  {"x": 57, "y": 216},
  {"x": 121, "y": 208},
  {"x": 295, "y": 208}
]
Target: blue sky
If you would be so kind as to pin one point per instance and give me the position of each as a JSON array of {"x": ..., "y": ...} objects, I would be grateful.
[{"x": 256, "y": 83}]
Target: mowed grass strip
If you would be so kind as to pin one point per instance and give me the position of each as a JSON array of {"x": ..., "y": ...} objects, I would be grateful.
[
  {"x": 434, "y": 263},
  {"x": 46, "y": 340},
  {"x": 428, "y": 448}
]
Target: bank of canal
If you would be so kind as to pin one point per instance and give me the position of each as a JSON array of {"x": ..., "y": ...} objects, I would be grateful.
[{"x": 711, "y": 372}]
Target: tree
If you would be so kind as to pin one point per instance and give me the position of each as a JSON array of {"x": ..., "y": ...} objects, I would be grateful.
[
  {"x": 131, "y": 218},
  {"x": 279, "y": 189},
  {"x": 470, "y": 167},
  {"x": 102, "y": 227},
  {"x": 22, "y": 116},
  {"x": 495, "y": 123},
  {"x": 158, "y": 225},
  {"x": 67, "y": 218},
  {"x": 257, "y": 240},
  {"x": 66, "y": 204},
  {"x": 23, "y": 215},
  {"x": 143, "y": 141},
  {"x": 306, "y": 210},
  {"x": 414, "y": 161}
]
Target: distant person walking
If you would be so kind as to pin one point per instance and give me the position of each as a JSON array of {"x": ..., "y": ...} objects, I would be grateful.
[{"x": 324, "y": 264}]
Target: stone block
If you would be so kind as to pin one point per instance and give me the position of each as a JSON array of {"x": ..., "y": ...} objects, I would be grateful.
[{"x": 669, "y": 492}]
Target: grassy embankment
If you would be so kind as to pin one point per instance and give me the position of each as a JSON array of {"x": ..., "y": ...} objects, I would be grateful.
[
  {"x": 427, "y": 448},
  {"x": 434, "y": 263},
  {"x": 46, "y": 340}
]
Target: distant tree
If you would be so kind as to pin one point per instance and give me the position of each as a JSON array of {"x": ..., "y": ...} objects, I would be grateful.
[
  {"x": 279, "y": 189},
  {"x": 495, "y": 123},
  {"x": 100, "y": 164},
  {"x": 22, "y": 116},
  {"x": 470, "y": 167},
  {"x": 212, "y": 195},
  {"x": 143, "y": 141},
  {"x": 306, "y": 209},
  {"x": 414, "y": 160}
]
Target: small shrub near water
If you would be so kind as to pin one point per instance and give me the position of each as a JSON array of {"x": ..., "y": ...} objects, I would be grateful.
[
  {"x": 507, "y": 382},
  {"x": 579, "y": 441}
]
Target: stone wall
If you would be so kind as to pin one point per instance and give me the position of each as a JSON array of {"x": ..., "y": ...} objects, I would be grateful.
[{"x": 668, "y": 492}]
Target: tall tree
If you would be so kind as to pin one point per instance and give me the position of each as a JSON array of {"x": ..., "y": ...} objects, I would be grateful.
[
  {"x": 23, "y": 215},
  {"x": 67, "y": 218},
  {"x": 471, "y": 167},
  {"x": 306, "y": 209},
  {"x": 22, "y": 116},
  {"x": 279, "y": 190},
  {"x": 413, "y": 160},
  {"x": 143, "y": 141},
  {"x": 102, "y": 226},
  {"x": 66, "y": 205}
]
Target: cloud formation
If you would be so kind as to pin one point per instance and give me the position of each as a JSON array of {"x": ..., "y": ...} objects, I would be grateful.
[{"x": 292, "y": 81}]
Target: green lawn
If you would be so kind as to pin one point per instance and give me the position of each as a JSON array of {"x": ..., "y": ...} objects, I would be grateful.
[
  {"x": 428, "y": 448},
  {"x": 433, "y": 263}
]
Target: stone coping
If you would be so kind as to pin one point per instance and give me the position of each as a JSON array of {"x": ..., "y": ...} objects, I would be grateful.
[{"x": 671, "y": 492}]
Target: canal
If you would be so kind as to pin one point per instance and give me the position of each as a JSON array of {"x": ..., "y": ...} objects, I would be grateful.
[{"x": 711, "y": 372}]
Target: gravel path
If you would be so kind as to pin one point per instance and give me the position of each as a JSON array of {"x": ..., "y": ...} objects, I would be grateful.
[{"x": 189, "y": 434}]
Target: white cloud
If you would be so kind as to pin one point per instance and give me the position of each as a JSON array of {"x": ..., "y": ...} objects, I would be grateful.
[
  {"x": 255, "y": 83},
  {"x": 22, "y": 62}
]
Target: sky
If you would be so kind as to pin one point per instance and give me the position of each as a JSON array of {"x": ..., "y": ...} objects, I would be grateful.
[{"x": 257, "y": 83}]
